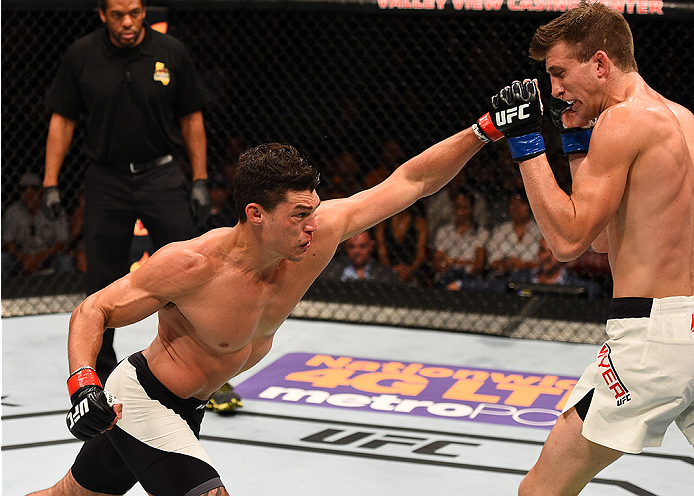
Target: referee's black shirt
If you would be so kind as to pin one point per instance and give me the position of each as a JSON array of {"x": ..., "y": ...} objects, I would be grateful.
[{"x": 131, "y": 98}]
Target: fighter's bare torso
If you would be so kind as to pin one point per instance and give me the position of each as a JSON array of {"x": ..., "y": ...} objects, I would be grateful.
[
  {"x": 222, "y": 296},
  {"x": 636, "y": 182},
  {"x": 225, "y": 323},
  {"x": 650, "y": 236}
]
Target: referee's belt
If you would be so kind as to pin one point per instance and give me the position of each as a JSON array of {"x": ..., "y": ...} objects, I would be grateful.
[{"x": 138, "y": 167}]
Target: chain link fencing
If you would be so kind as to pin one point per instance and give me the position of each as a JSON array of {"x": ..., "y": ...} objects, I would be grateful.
[{"x": 358, "y": 91}]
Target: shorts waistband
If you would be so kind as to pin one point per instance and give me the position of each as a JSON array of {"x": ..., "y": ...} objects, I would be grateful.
[
  {"x": 139, "y": 167},
  {"x": 139, "y": 361},
  {"x": 630, "y": 308}
]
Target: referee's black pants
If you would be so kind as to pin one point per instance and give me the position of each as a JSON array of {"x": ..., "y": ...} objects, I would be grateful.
[{"x": 114, "y": 200}]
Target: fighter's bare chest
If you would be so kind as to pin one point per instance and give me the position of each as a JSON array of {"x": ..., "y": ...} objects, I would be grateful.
[{"x": 231, "y": 313}]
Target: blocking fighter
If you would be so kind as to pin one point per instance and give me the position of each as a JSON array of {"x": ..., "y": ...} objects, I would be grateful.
[{"x": 633, "y": 197}]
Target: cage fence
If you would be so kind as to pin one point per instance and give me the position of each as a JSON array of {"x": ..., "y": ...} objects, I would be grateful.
[{"x": 358, "y": 90}]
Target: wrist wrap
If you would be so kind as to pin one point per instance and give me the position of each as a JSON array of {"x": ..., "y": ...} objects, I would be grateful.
[
  {"x": 485, "y": 130},
  {"x": 576, "y": 141},
  {"x": 84, "y": 376},
  {"x": 526, "y": 146}
]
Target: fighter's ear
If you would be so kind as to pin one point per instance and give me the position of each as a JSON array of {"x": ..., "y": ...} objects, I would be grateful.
[
  {"x": 254, "y": 213},
  {"x": 602, "y": 61}
]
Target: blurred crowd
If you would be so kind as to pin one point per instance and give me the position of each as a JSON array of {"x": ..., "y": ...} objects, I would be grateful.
[{"x": 476, "y": 234}]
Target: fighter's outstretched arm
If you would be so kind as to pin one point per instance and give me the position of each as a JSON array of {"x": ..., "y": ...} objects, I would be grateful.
[{"x": 420, "y": 176}]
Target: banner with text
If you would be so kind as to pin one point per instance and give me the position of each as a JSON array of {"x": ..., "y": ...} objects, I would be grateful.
[{"x": 464, "y": 393}]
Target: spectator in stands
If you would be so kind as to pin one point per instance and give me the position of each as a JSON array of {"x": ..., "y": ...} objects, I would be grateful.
[
  {"x": 345, "y": 177},
  {"x": 440, "y": 208},
  {"x": 513, "y": 244},
  {"x": 223, "y": 212},
  {"x": 392, "y": 155},
  {"x": 401, "y": 243},
  {"x": 30, "y": 242},
  {"x": 460, "y": 246},
  {"x": 356, "y": 263},
  {"x": 551, "y": 271}
]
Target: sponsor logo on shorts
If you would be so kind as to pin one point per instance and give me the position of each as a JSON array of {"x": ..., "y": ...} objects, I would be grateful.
[{"x": 610, "y": 376}]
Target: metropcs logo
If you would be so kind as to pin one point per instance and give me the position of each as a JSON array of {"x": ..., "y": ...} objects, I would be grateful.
[
  {"x": 472, "y": 394},
  {"x": 507, "y": 116}
]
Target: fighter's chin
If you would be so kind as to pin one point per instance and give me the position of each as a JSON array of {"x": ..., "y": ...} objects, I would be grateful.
[
  {"x": 582, "y": 111},
  {"x": 298, "y": 256}
]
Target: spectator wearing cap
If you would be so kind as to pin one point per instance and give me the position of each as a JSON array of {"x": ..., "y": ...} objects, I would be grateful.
[
  {"x": 222, "y": 211},
  {"x": 30, "y": 242}
]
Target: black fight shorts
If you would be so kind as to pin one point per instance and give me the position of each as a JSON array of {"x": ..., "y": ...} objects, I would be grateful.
[{"x": 156, "y": 442}]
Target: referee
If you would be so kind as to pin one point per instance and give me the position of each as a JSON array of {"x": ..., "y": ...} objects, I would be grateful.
[{"x": 140, "y": 97}]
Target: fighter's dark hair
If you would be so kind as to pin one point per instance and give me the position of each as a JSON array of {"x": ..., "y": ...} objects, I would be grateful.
[{"x": 267, "y": 172}]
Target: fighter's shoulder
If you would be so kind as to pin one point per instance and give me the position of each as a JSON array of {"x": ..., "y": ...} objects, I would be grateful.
[
  {"x": 632, "y": 117},
  {"x": 187, "y": 258},
  {"x": 331, "y": 212},
  {"x": 683, "y": 114}
]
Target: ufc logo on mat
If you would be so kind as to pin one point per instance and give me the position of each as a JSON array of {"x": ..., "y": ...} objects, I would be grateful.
[
  {"x": 77, "y": 412},
  {"x": 506, "y": 116}
]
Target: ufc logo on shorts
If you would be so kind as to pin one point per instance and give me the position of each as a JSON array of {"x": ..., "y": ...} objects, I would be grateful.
[
  {"x": 506, "y": 116},
  {"x": 77, "y": 412},
  {"x": 609, "y": 375}
]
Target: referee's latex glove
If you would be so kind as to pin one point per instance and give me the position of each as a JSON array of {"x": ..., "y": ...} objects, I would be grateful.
[
  {"x": 50, "y": 203},
  {"x": 200, "y": 203}
]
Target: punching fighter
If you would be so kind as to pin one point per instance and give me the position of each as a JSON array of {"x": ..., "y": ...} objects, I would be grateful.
[{"x": 220, "y": 298}]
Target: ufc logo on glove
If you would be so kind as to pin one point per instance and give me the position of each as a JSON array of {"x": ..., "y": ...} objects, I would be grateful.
[
  {"x": 517, "y": 111},
  {"x": 506, "y": 116},
  {"x": 77, "y": 411}
]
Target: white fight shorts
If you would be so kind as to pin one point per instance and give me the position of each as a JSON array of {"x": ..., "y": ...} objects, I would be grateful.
[{"x": 643, "y": 378}]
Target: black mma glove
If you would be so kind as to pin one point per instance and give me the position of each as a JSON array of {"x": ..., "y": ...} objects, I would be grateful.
[
  {"x": 573, "y": 139},
  {"x": 200, "y": 203},
  {"x": 517, "y": 113},
  {"x": 91, "y": 411},
  {"x": 50, "y": 203}
]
